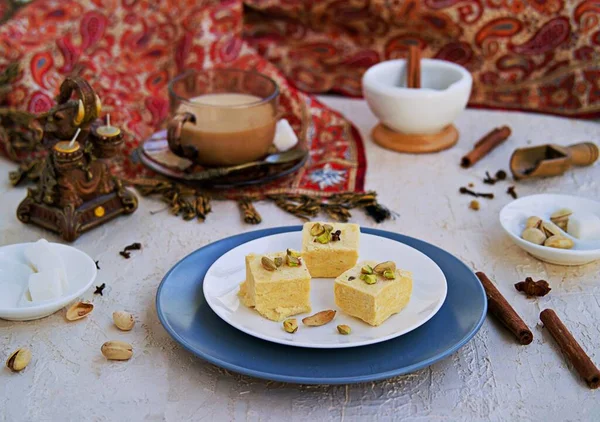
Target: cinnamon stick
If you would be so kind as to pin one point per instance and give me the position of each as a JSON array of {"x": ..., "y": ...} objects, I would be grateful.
[
  {"x": 413, "y": 74},
  {"x": 485, "y": 145},
  {"x": 501, "y": 309},
  {"x": 569, "y": 346}
]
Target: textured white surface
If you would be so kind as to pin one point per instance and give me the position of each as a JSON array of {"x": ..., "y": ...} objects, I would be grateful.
[{"x": 490, "y": 378}]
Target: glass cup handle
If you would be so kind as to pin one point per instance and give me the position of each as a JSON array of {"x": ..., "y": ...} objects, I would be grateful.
[{"x": 174, "y": 130}]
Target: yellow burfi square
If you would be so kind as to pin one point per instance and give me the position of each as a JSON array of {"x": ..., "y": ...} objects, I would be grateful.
[
  {"x": 276, "y": 294},
  {"x": 373, "y": 303},
  {"x": 330, "y": 259}
]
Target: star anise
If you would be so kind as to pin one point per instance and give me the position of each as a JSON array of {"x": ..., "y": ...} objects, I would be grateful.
[{"x": 533, "y": 288}]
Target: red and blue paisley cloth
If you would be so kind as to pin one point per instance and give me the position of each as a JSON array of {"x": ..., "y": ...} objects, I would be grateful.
[{"x": 537, "y": 55}]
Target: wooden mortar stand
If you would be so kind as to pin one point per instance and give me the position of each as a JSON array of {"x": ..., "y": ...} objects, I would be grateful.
[{"x": 415, "y": 144}]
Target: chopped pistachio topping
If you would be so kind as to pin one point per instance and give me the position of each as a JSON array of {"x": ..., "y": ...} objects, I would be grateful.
[
  {"x": 292, "y": 261},
  {"x": 389, "y": 274},
  {"x": 317, "y": 229},
  {"x": 324, "y": 238},
  {"x": 369, "y": 278},
  {"x": 268, "y": 264},
  {"x": 366, "y": 269}
]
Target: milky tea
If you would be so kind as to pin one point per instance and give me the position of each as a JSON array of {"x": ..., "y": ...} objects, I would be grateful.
[{"x": 230, "y": 128}]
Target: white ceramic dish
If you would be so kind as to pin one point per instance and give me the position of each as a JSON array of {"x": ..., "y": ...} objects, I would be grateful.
[
  {"x": 514, "y": 215},
  {"x": 81, "y": 272},
  {"x": 444, "y": 92},
  {"x": 222, "y": 280}
]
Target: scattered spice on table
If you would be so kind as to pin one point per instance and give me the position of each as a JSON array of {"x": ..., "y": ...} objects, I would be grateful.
[
  {"x": 474, "y": 205},
  {"x": 466, "y": 191},
  {"x": 471, "y": 185},
  {"x": 571, "y": 348},
  {"x": 489, "y": 180},
  {"x": 533, "y": 288},
  {"x": 97, "y": 264},
  {"x": 501, "y": 309},
  {"x": 100, "y": 289},
  {"x": 133, "y": 247},
  {"x": 511, "y": 191}
]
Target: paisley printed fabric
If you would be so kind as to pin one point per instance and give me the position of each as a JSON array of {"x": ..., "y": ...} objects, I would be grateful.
[{"x": 535, "y": 55}]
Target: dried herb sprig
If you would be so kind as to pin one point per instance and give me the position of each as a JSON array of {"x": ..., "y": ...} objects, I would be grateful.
[
  {"x": 182, "y": 200},
  {"x": 251, "y": 215}
]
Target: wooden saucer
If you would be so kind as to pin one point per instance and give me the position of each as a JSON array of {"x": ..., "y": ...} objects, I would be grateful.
[{"x": 416, "y": 144}]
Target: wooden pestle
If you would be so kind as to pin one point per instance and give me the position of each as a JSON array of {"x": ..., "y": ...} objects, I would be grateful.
[{"x": 550, "y": 159}]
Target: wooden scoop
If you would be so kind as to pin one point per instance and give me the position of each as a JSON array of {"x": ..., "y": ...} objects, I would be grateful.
[{"x": 551, "y": 160}]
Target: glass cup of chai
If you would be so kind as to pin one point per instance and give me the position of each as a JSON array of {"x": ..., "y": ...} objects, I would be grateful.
[{"x": 222, "y": 117}]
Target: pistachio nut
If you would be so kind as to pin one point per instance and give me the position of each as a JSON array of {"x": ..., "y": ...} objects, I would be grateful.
[
  {"x": 550, "y": 229},
  {"x": 317, "y": 229},
  {"x": 79, "y": 310},
  {"x": 533, "y": 221},
  {"x": 369, "y": 278},
  {"x": 292, "y": 261},
  {"x": 320, "y": 318},
  {"x": 366, "y": 269},
  {"x": 278, "y": 261},
  {"x": 324, "y": 237},
  {"x": 389, "y": 274},
  {"x": 290, "y": 325},
  {"x": 383, "y": 267},
  {"x": 328, "y": 227},
  {"x": 268, "y": 264},
  {"x": 293, "y": 253},
  {"x": 123, "y": 320},
  {"x": 19, "y": 359},
  {"x": 533, "y": 235},
  {"x": 117, "y": 350},
  {"x": 561, "y": 217},
  {"x": 344, "y": 329},
  {"x": 559, "y": 242}
]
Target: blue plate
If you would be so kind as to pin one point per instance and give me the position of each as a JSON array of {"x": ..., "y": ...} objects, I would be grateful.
[{"x": 184, "y": 313}]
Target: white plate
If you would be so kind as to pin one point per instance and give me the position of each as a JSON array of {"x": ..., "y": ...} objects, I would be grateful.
[
  {"x": 514, "y": 215},
  {"x": 223, "y": 278},
  {"x": 81, "y": 272}
]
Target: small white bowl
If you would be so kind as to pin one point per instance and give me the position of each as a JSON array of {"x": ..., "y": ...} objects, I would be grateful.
[
  {"x": 81, "y": 273},
  {"x": 514, "y": 215},
  {"x": 444, "y": 92}
]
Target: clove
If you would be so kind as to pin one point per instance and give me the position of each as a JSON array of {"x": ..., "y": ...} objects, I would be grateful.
[{"x": 467, "y": 191}]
